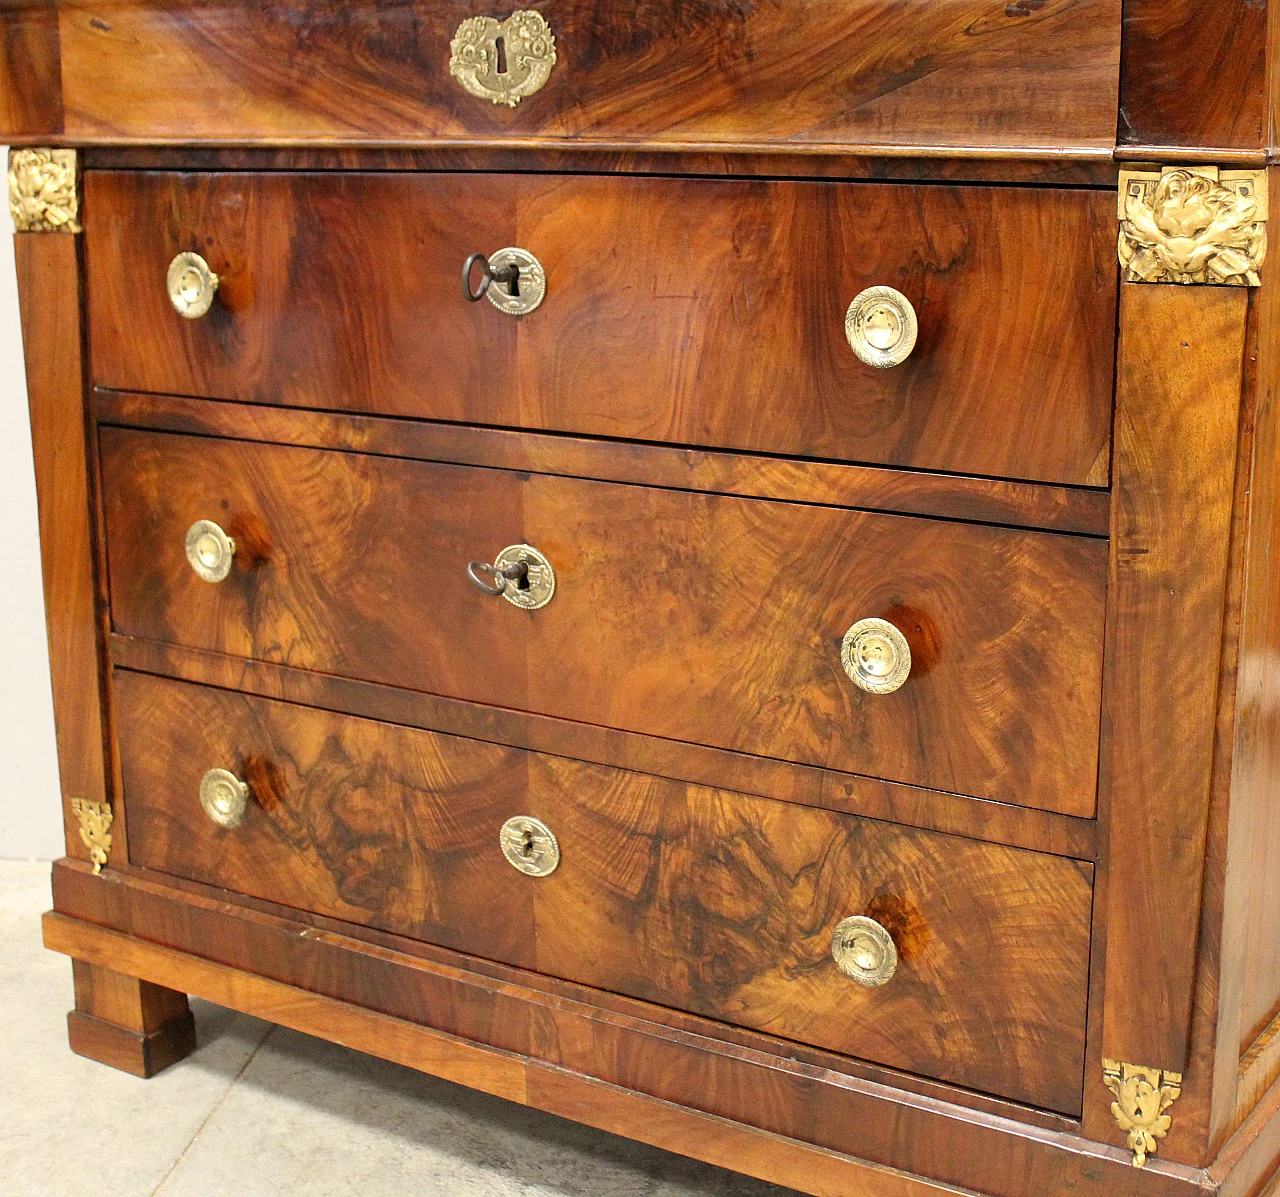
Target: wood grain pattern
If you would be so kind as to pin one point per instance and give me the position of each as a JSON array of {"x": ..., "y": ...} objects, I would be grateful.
[
  {"x": 874, "y": 488},
  {"x": 1053, "y": 170},
  {"x": 30, "y": 70},
  {"x": 682, "y": 1129},
  {"x": 1178, "y": 398},
  {"x": 653, "y": 585},
  {"x": 728, "y": 902},
  {"x": 952, "y": 73},
  {"x": 1193, "y": 74},
  {"x": 704, "y": 312},
  {"x": 135, "y": 1026},
  {"x": 850, "y": 793},
  {"x": 49, "y": 293},
  {"x": 767, "y": 1091}
]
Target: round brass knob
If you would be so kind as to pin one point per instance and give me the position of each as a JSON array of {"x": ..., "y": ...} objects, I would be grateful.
[
  {"x": 876, "y": 656},
  {"x": 224, "y": 797},
  {"x": 881, "y": 326},
  {"x": 192, "y": 285},
  {"x": 864, "y": 951},
  {"x": 529, "y": 845},
  {"x": 209, "y": 550}
]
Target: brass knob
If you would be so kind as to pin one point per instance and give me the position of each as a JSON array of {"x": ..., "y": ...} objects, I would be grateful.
[
  {"x": 209, "y": 550},
  {"x": 876, "y": 656},
  {"x": 192, "y": 285},
  {"x": 520, "y": 574},
  {"x": 513, "y": 279},
  {"x": 529, "y": 845},
  {"x": 864, "y": 951},
  {"x": 881, "y": 326},
  {"x": 224, "y": 797}
]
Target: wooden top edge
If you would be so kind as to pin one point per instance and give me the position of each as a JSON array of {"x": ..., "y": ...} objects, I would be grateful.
[
  {"x": 1047, "y": 153},
  {"x": 1166, "y": 155}
]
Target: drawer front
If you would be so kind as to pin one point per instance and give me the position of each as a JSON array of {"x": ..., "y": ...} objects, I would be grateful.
[
  {"x": 810, "y": 73},
  {"x": 695, "y": 617},
  {"x": 699, "y": 312},
  {"x": 690, "y": 897}
]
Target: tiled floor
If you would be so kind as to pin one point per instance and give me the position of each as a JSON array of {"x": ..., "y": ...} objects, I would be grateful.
[{"x": 259, "y": 1110}]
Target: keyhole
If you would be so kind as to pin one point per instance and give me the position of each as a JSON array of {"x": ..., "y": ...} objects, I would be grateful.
[
  {"x": 501, "y": 44},
  {"x": 527, "y": 848},
  {"x": 514, "y": 289}
]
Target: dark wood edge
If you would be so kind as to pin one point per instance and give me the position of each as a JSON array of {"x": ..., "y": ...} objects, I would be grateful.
[
  {"x": 1172, "y": 155},
  {"x": 1060, "y": 172},
  {"x": 805, "y": 785},
  {"x": 875, "y": 488},
  {"x": 99, "y": 918}
]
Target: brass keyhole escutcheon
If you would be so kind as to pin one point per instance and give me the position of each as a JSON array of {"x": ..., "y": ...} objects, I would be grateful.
[
  {"x": 503, "y": 61},
  {"x": 876, "y": 656},
  {"x": 210, "y": 550},
  {"x": 520, "y": 574},
  {"x": 513, "y": 280},
  {"x": 864, "y": 951},
  {"x": 881, "y": 327},
  {"x": 529, "y": 845},
  {"x": 224, "y": 797},
  {"x": 192, "y": 285}
]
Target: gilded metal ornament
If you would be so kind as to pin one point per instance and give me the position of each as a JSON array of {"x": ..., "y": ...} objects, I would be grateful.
[
  {"x": 530, "y": 846},
  {"x": 224, "y": 796},
  {"x": 503, "y": 61},
  {"x": 876, "y": 656},
  {"x": 1142, "y": 1097},
  {"x": 864, "y": 951},
  {"x": 881, "y": 327},
  {"x": 44, "y": 192},
  {"x": 210, "y": 550},
  {"x": 520, "y": 574},
  {"x": 1193, "y": 224},
  {"x": 95, "y": 829},
  {"x": 526, "y": 285},
  {"x": 192, "y": 285}
]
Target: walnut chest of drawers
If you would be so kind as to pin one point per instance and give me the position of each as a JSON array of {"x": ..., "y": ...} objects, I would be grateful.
[{"x": 706, "y": 567}]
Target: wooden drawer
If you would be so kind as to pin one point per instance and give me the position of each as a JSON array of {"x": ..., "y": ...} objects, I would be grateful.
[
  {"x": 704, "y": 618},
  {"x": 700, "y": 312},
  {"x": 835, "y": 73},
  {"x": 690, "y": 897}
]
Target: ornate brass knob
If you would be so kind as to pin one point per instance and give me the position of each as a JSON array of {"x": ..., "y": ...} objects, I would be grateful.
[
  {"x": 224, "y": 797},
  {"x": 192, "y": 285},
  {"x": 876, "y": 656},
  {"x": 529, "y": 845},
  {"x": 881, "y": 326},
  {"x": 864, "y": 951},
  {"x": 513, "y": 279},
  {"x": 520, "y": 574},
  {"x": 209, "y": 550}
]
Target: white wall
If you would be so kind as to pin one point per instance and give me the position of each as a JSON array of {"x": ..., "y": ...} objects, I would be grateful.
[{"x": 30, "y": 818}]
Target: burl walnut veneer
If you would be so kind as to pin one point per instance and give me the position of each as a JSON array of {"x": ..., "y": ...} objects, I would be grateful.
[{"x": 708, "y": 568}]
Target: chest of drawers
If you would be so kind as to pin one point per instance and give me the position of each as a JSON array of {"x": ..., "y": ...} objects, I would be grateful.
[{"x": 707, "y": 568}]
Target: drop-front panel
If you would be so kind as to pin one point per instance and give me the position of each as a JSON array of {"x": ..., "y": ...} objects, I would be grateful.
[{"x": 704, "y": 568}]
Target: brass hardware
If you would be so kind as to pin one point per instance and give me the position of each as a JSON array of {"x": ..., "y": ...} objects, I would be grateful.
[
  {"x": 44, "y": 192},
  {"x": 192, "y": 285},
  {"x": 530, "y": 846},
  {"x": 520, "y": 573},
  {"x": 503, "y": 61},
  {"x": 209, "y": 550},
  {"x": 881, "y": 327},
  {"x": 1142, "y": 1096},
  {"x": 1193, "y": 224},
  {"x": 864, "y": 951},
  {"x": 95, "y": 829},
  {"x": 876, "y": 656},
  {"x": 521, "y": 282},
  {"x": 224, "y": 797}
]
